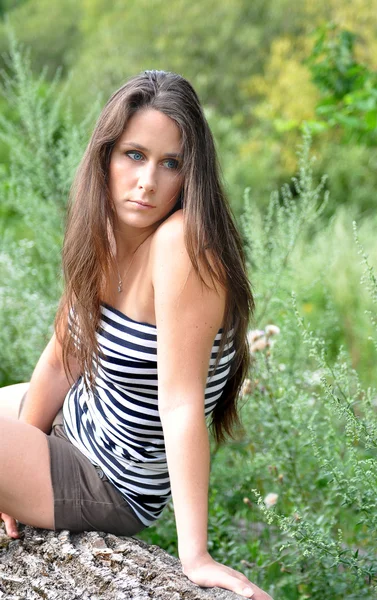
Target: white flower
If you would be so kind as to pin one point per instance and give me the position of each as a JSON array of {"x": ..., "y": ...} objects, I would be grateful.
[
  {"x": 272, "y": 330},
  {"x": 313, "y": 377},
  {"x": 254, "y": 334},
  {"x": 270, "y": 500},
  {"x": 247, "y": 388},
  {"x": 259, "y": 344}
]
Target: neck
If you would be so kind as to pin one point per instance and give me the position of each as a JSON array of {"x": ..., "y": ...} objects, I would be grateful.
[{"x": 128, "y": 244}]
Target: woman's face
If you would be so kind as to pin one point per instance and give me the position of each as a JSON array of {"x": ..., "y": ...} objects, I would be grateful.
[{"x": 145, "y": 170}]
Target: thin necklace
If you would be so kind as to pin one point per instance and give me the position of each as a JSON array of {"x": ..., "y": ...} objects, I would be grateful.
[{"x": 120, "y": 280}]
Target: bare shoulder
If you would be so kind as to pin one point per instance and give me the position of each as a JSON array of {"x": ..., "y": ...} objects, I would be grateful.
[
  {"x": 168, "y": 247},
  {"x": 179, "y": 292},
  {"x": 170, "y": 231}
]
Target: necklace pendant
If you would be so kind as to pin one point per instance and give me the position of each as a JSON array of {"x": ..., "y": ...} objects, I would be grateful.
[{"x": 119, "y": 287}]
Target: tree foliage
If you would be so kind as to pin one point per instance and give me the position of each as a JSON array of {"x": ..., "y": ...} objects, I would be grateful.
[
  {"x": 349, "y": 88},
  {"x": 248, "y": 61}
]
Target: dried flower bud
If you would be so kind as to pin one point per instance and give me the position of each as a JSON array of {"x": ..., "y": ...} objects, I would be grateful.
[
  {"x": 281, "y": 478},
  {"x": 270, "y": 500},
  {"x": 247, "y": 501},
  {"x": 259, "y": 345},
  {"x": 247, "y": 388},
  {"x": 272, "y": 330},
  {"x": 254, "y": 334}
]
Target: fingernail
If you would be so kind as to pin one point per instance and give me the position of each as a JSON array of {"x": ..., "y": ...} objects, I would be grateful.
[{"x": 248, "y": 591}]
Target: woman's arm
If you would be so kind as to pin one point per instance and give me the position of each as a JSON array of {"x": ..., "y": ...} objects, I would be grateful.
[
  {"x": 48, "y": 387},
  {"x": 188, "y": 316}
]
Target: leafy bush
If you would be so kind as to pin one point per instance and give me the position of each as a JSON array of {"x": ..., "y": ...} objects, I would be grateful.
[
  {"x": 306, "y": 463},
  {"x": 44, "y": 147},
  {"x": 349, "y": 88}
]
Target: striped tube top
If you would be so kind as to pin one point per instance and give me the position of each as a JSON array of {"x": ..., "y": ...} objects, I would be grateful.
[{"x": 116, "y": 425}]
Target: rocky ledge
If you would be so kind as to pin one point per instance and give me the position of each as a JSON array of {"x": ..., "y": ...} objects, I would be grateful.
[{"x": 92, "y": 566}]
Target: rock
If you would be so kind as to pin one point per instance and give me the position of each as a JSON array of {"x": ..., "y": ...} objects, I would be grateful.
[{"x": 92, "y": 566}]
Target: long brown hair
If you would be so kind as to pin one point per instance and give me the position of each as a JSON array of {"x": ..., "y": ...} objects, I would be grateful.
[{"x": 209, "y": 226}]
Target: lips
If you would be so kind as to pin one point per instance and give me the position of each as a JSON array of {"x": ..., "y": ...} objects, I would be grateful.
[{"x": 141, "y": 203}]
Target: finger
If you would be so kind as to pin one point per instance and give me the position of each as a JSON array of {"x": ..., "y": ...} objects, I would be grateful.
[
  {"x": 235, "y": 584},
  {"x": 10, "y": 526},
  {"x": 241, "y": 576},
  {"x": 238, "y": 575}
]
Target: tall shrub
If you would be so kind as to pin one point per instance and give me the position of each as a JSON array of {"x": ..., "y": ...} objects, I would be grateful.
[
  {"x": 306, "y": 465},
  {"x": 44, "y": 147}
]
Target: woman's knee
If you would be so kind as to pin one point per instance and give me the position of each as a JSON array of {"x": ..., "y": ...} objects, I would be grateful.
[
  {"x": 25, "y": 479},
  {"x": 11, "y": 397}
]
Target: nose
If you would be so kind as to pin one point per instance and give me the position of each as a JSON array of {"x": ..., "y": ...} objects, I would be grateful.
[{"x": 147, "y": 178}]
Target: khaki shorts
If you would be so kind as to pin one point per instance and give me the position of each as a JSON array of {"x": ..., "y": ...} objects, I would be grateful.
[{"x": 84, "y": 499}]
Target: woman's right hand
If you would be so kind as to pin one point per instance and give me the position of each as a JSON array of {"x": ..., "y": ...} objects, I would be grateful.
[
  {"x": 207, "y": 572},
  {"x": 10, "y": 525}
]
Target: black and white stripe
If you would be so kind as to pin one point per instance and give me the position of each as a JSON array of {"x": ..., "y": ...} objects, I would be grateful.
[{"x": 117, "y": 425}]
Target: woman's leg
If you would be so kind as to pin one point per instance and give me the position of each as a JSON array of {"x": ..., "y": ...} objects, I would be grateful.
[
  {"x": 25, "y": 480},
  {"x": 10, "y": 399}
]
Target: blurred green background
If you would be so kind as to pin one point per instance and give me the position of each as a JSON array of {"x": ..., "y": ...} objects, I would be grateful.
[
  {"x": 274, "y": 76},
  {"x": 253, "y": 64}
]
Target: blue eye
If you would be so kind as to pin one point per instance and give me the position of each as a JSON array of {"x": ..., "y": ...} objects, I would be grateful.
[
  {"x": 171, "y": 163},
  {"x": 135, "y": 155}
]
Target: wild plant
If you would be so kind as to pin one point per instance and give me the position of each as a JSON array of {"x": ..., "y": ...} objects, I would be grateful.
[
  {"x": 44, "y": 147},
  {"x": 308, "y": 454}
]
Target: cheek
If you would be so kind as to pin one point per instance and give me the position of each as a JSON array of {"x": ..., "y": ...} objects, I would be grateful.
[
  {"x": 112, "y": 176},
  {"x": 176, "y": 186},
  {"x": 170, "y": 195},
  {"x": 117, "y": 176}
]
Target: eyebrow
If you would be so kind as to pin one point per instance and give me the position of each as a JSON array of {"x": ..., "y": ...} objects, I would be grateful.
[{"x": 144, "y": 149}]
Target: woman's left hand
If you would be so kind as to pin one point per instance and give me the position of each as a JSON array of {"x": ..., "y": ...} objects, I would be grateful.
[
  {"x": 10, "y": 525},
  {"x": 206, "y": 572}
]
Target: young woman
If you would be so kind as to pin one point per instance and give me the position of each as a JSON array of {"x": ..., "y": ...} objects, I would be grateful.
[{"x": 150, "y": 337}]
